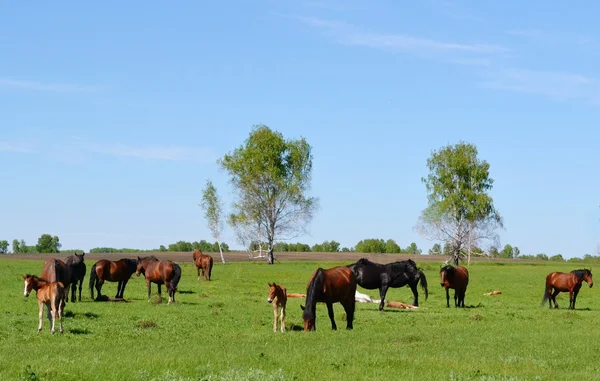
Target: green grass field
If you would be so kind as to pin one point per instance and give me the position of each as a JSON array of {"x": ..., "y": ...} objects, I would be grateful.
[{"x": 222, "y": 330}]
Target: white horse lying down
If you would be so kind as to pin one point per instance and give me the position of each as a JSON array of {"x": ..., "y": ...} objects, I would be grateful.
[{"x": 363, "y": 298}]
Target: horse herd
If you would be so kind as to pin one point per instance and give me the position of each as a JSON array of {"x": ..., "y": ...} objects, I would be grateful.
[{"x": 334, "y": 285}]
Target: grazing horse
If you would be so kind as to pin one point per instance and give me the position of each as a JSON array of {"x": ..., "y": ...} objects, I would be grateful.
[
  {"x": 55, "y": 270},
  {"x": 203, "y": 262},
  {"x": 278, "y": 296},
  {"x": 564, "y": 282},
  {"x": 371, "y": 275},
  {"x": 77, "y": 268},
  {"x": 456, "y": 277},
  {"x": 49, "y": 293},
  {"x": 159, "y": 272},
  {"x": 117, "y": 271},
  {"x": 337, "y": 284}
]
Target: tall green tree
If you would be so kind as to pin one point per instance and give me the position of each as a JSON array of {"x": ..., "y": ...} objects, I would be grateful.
[
  {"x": 507, "y": 252},
  {"x": 3, "y": 246},
  {"x": 213, "y": 212},
  {"x": 460, "y": 211},
  {"x": 436, "y": 249},
  {"x": 16, "y": 246},
  {"x": 48, "y": 244},
  {"x": 272, "y": 177},
  {"x": 412, "y": 249},
  {"x": 391, "y": 247}
]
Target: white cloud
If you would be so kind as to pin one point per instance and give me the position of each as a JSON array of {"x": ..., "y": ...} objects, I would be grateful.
[
  {"x": 8, "y": 147},
  {"x": 169, "y": 153},
  {"x": 556, "y": 85},
  {"x": 38, "y": 86},
  {"x": 346, "y": 34}
]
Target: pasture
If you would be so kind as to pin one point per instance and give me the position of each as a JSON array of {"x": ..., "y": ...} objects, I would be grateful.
[{"x": 222, "y": 330}]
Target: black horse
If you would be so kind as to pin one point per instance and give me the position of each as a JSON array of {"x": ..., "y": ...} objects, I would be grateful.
[
  {"x": 77, "y": 268},
  {"x": 371, "y": 275}
]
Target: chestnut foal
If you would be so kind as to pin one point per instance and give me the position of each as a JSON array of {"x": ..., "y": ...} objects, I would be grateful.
[
  {"x": 52, "y": 294},
  {"x": 278, "y": 296}
]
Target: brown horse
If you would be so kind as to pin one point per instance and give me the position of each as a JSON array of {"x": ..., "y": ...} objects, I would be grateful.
[
  {"x": 278, "y": 296},
  {"x": 159, "y": 272},
  {"x": 77, "y": 269},
  {"x": 55, "y": 270},
  {"x": 118, "y": 271},
  {"x": 52, "y": 294},
  {"x": 204, "y": 262},
  {"x": 458, "y": 279},
  {"x": 334, "y": 285},
  {"x": 564, "y": 282}
]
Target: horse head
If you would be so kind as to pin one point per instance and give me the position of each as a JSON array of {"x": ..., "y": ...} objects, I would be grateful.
[
  {"x": 272, "y": 292},
  {"x": 588, "y": 277},
  {"x": 446, "y": 272},
  {"x": 29, "y": 281},
  {"x": 309, "y": 320},
  {"x": 140, "y": 267}
]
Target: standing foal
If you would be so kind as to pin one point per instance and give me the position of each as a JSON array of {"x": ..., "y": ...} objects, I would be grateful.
[
  {"x": 278, "y": 296},
  {"x": 51, "y": 294}
]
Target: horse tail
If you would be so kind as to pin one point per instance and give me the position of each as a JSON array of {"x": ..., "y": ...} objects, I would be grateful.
[
  {"x": 423, "y": 280},
  {"x": 176, "y": 277},
  {"x": 93, "y": 277},
  {"x": 545, "y": 297}
]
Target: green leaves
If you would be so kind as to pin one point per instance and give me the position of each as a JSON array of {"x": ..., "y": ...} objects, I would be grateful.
[
  {"x": 460, "y": 211},
  {"x": 271, "y": 176},
  {"x": 48, "y": 244}
]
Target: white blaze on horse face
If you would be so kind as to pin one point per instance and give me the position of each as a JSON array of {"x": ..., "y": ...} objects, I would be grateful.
[
  {"x": 25, "y": 292},
  {"x": 269, "y": 300}
]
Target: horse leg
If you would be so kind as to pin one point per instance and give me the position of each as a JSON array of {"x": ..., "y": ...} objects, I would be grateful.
[
  {"x": 556, "y": 292},
  {"x": 198, "y": 268},
  {"x": 455, "y": 298},
  {"x": 282, "y": 318},
  {"x": 413, "y": 287},
  {"x": 40, "y": 315},
  {"x": 330, "y": 312},
  {"x": 571, "y": 300},
  {"x": 274, "y": 317},
  {"x": 119, "y": 286},
  {"x": 169, "y": 291},
  {"x": 60, "y": 310},
  {"x": 382, "y": 291},
  {"x": 149, "y": 288},
  {"x": 159, "y": 292},
  {"x": 99, "y": 284},
  {"x": 447, "y": 297},
  {"x": 349, "y": 307},
  {"x": 80, "y": 288},
  {"x": 74, "y": 291},
  {"x": 121, "y": 295},
  {"x": 50, "y": 315}
]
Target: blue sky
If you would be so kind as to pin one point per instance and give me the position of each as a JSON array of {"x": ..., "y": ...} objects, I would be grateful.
[{"x": 113, "y": 114}]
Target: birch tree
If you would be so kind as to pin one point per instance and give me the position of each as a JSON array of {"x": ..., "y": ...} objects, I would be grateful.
[
  {"x": 213, "y": 212},
  {"x": 460, "y": 211},
  {"x": 272, "y": 178}
]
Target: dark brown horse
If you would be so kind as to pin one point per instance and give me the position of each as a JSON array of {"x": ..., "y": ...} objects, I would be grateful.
[
  {"x": 203, "y": 262},
  {"x": 456, "y": 277},
  {"x": 564, "y": 282},
  {"x": 159, "y": 272},
  {"x": 118, "y": 271},
  {"x": 334, "y": 285},
  {"x": 55, "y": 270},
  {"x": 77, "y": 268}
]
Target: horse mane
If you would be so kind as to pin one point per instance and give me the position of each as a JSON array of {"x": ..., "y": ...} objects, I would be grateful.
[
  {"x": 365, "y": 262},
  {"x": 404, "y": 266},
  {"x": 449, "y": 269},
  {"x": 580, "y": 273},
  {"x": 315, "y": 289},
  {"x": 150, "y": 257}
]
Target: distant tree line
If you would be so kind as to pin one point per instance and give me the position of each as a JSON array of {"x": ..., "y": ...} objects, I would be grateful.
[{"x": 46, "y": 244}]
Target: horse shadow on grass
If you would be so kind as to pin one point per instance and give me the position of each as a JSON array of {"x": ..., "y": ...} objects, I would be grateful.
[
  {"x": 72, "y": 315},
  {"x": 79, "y": 331},
  {"x": 186, "y": 292},
  {"x": 295, "y": 328},
  {"x": 106, "y": 298}
]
